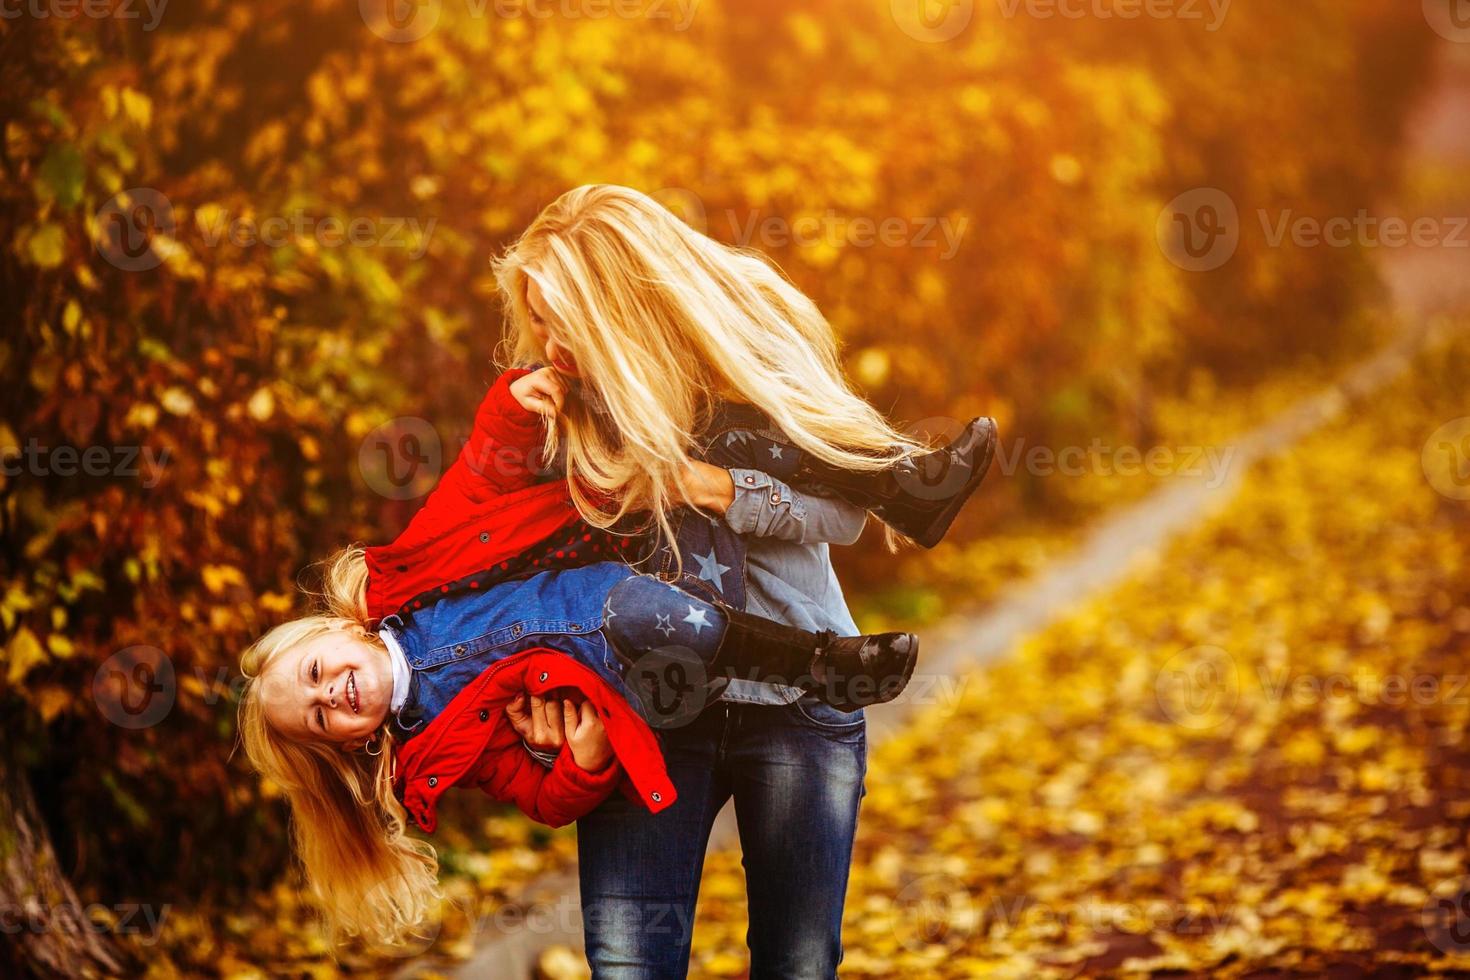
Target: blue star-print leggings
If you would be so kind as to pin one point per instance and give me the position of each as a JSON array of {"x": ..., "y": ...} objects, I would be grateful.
[{"x": 714, "y": 555}]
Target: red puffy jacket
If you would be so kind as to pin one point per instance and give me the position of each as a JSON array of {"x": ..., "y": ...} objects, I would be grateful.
[
  {"x": 472, "y": 743},
  {"x": 486, "y": 510},
  {"x": 488, "y": 519}
]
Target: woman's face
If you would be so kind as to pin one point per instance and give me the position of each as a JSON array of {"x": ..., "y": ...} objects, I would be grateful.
[
  {"x": 546, "y": 330},
  {"x": 335, "y": 688}
]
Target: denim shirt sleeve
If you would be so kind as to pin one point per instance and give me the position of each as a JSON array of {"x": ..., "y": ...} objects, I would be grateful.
[{"x": 766, "y": 507}]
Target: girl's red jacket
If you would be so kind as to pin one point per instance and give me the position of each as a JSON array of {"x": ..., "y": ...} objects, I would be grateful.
[
  {"x": 486, "y": 513},
  {"x": 487, "y": 509},
  {"x": 472, "y": 743}
]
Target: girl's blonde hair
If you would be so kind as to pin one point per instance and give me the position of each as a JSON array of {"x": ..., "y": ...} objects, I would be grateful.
[
  {"x": 350, "y": 832},
  {"x": 663, "y": 321}
]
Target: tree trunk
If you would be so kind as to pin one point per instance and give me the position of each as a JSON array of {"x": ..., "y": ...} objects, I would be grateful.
[{"x": 44, "y": 930}]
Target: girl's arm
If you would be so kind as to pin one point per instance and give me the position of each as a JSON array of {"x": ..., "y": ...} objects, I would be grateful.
[
  {"x": 567, "y": 791},
  {"x": 500, "y": 457},
  {"x": 502, "y": 453},
  {"x": 556, "y": 796}
]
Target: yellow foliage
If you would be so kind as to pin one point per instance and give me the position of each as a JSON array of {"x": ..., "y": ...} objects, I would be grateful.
[
  {"x": 1247, "y": 834},
  {"x": 22, "y": 653}
]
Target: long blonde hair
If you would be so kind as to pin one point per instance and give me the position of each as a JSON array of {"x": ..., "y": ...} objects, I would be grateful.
[
  {"x": 349, "y": 831},
  {"x": 663, "y": 321}
]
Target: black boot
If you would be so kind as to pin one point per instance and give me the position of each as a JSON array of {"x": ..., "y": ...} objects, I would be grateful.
[
  {"x": 864, "y": 670},
  {"x": 681, "y": 650},
  {"x": 919, "y": 495},
  {"x": 847, "y": 672}
]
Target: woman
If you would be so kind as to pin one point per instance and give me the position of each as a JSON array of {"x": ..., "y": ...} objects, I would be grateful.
[{"x": 667, "y": 332}]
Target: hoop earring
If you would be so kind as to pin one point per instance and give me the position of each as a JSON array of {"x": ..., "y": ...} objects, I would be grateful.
[{"x": 369, "y": 745}]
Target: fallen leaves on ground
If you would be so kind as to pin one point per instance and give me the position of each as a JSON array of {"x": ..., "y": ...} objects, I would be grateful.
[{"x": 1250, "y": 760}]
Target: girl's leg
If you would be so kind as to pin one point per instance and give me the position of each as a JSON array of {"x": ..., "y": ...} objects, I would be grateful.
[
  {"x": 918, "y": 495},
  {"x": 701, "y": 643}
]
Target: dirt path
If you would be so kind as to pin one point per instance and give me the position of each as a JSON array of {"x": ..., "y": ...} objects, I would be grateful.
[{"x": 1423, "y": 282}]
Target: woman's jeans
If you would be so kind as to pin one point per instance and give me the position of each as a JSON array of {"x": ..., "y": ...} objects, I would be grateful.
[{"x": 796, "y": 772}]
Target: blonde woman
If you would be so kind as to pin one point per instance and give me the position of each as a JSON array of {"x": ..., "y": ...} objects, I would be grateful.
[{"x": 669, "y": 345}]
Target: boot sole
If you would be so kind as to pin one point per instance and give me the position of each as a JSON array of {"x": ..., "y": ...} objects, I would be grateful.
[{"x": 939, "y": 527}]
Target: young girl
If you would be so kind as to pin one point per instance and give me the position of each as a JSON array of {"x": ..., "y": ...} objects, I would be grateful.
[{"x": 432, "y": 673}]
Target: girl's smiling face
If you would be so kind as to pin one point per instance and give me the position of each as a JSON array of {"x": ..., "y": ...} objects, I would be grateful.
[
  {"x": 335, "y": 688},
  {"x": 543, "y": 325}
]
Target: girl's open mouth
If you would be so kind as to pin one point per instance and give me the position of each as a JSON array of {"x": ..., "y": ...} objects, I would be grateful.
[{"x": 352, "y": 692}]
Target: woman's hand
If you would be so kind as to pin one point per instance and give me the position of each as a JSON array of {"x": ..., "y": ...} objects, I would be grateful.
[
  {"x": 710, "y": 487},
  {"x": 591, "y": 750},
  {"x": 538, "y": 721},
  {"x": 542, "y": 391}
]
